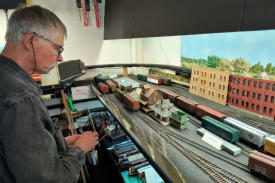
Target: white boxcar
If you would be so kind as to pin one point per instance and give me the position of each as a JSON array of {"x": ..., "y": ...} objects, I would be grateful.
[{"x": 247, "y": 132}]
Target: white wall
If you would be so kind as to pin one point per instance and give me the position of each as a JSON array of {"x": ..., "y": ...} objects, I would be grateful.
[{"x": 87, "y": 44}]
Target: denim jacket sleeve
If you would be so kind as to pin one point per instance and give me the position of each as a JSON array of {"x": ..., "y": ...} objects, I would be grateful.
[{"x": 31, "y": 152}]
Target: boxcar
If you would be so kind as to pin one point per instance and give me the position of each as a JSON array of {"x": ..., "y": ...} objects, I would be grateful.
[
  {"x": 222, "y": 130},
  {"x": 103, "y": 88},
  {"x": 111, "y": 85},
  {"x": 142, "y": 77},
  {"x": 155, "y": 80},
  {"x": 166, "y": 81},
  {"x": 262, "y": 164},
  {"x": 131, "y": 102},
  {"x": 186, "y": 104},
  {"x": 247, "y": 132},
  {"x": 269, "y": 145},
  {"x": 202, "y": 110},
  {"x": 167, "y": 94}
]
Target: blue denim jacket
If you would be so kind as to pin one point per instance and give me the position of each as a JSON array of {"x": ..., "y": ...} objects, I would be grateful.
[{"x": 32, "y": 149}]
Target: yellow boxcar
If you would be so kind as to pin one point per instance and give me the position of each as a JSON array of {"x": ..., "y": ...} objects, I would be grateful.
[{"x": 269, "y": 145}]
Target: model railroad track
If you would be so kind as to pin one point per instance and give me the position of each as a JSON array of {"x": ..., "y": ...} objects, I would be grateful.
[
  {"x": 215, "y": 172},
  {"x": 264, "y": 124}
]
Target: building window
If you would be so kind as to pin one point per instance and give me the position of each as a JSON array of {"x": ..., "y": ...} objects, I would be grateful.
[
  {"x": 197, "y": 72},
  {"x": 244, "y": 82},
  {"x": 249, "y": 82},
  {"x": 237, "y": 101},
  {"x": 247, "y": 104},
  {"x": 260, "y": 85},
  {"x": 220, "y": 86},
  {"x": 209, "y": 92},
  {"x": 223, "y": 87},
  {"x": 213, "y": 94},
  {"x": 233, "y": 91},
  {"x": 203, "y": 90},
  {"x": 234, "y": 81},
  {"x": 248, "y": 94},
  {"x": 266, "y": 98},
  {"x": 237, "y": 91},
  {"x": 254, "y": 95},
  {"x": 242, "y": 103},
  {"x": 258, "y": 108},
  {"x": 239, "y": 80},
  {"x": 222, "y": 97},
  {"x": 272, "y": 99},
  {"x": 243, "y": 92},
  {"x": 213, "y": 84},
  {"x": 259, "y": 96},
  {"x": 232, "y": 101},
  {"x": 270, "y": 111},
  {"x": 204, "y": 82},
  {"x": 211, "y": 75},
  {"x": 273, "y": 87},
  {"x": 224, "y": 78},
  {"x": 214, "y": 76},
  {"x": 255, "y": 84},
  {"x": 220, "y": 77},
  {"x": 265, "y": 110},
  {"x": 253, "y": 106},
  {"x": 209, "y": 83},
  {"x": 268, "y": 86}
]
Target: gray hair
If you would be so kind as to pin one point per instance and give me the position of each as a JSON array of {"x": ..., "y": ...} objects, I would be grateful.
[{"x": 33, "y": 19}]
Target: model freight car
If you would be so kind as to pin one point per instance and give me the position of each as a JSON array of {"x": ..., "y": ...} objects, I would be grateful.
[
  {"x": 178, "y": 120},
  {"x": 111, "y": 85},
  {"x": 269, "y": 145},
  {"x": 99, "y": 78},
  {"x": 224, "y": 131},
  {"x": 167, "y": 94},
  {"x": 262, "y": 164},
  {"x": 166, "y": 81},
  {"x": 186, "y": 104},
  {"x": 247, "y": 132},
  {"x": 142, "y": 77},
  {"x": 202, "y": 110},
  {"x": 155, "y": 80},
  {"x": 103, "y": 87},
  {"x": 132, "y": 103}
]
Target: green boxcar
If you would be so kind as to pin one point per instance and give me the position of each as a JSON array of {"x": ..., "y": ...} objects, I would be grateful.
[
  {"x": 142, "y": 77},
  {"x": 179, "y": 116},
  {"x": 224, "y": 131}
]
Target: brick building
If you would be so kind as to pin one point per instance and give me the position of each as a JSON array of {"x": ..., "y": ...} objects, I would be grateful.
[
  {"x": 255, "y": 95},
  {"x": 209, "y": 83}
]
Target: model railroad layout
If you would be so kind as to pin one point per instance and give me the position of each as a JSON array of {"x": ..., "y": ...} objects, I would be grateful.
[{"x": 227, "y": 125}]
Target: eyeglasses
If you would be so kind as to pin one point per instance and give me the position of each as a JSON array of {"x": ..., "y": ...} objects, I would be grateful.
[{"x": 58, "y": 47}]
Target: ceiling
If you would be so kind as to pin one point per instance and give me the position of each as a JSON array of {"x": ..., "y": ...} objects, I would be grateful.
[{"x": 151, "y": 18}]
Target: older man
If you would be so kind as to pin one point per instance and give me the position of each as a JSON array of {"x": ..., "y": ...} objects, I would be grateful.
[{"x": 32, "y": 149}]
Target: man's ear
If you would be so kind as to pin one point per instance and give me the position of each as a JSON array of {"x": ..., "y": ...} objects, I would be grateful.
[{"x": 28, "y": 39}]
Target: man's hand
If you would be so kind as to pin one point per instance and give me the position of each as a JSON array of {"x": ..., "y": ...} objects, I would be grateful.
[
  {"x": 87, "y": 141},
  {"x": 71, "y": 139}
]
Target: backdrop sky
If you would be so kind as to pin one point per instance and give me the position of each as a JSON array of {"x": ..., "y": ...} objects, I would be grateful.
[{"x": 253, "y": 46}]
